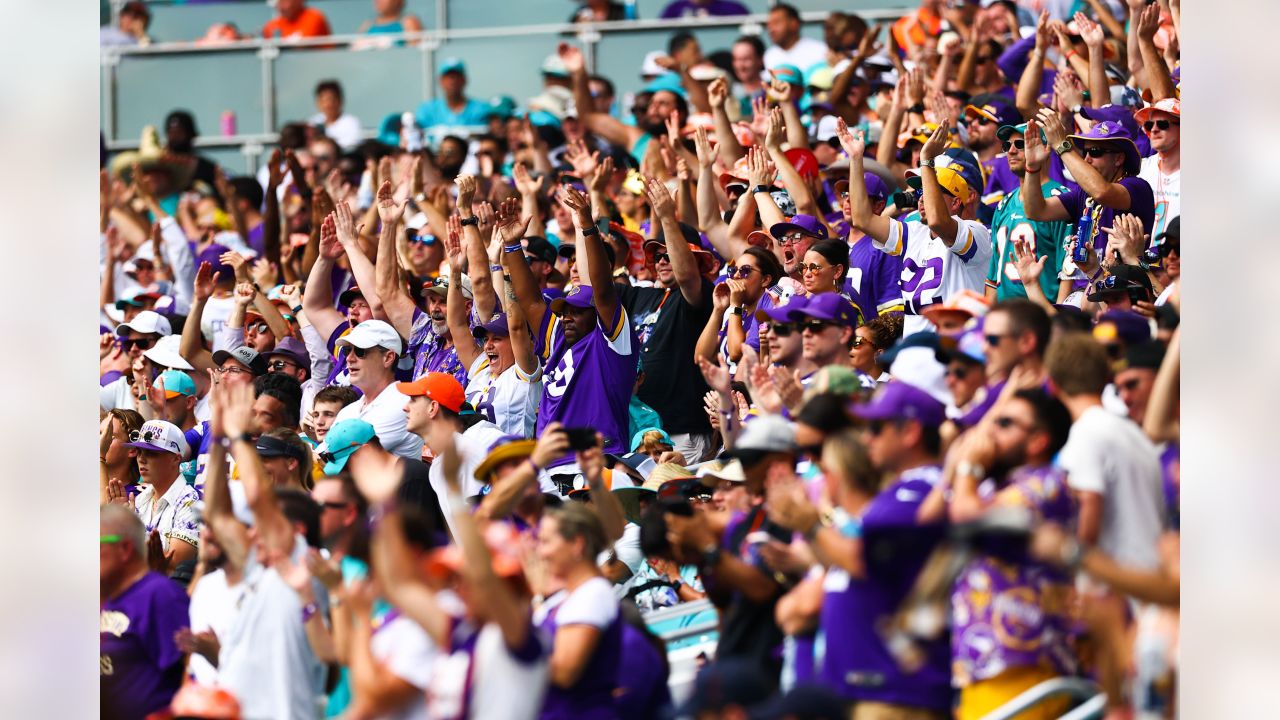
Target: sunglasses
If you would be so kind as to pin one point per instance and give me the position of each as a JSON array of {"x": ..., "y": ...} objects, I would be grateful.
[
  {"x": 427, "y": 240},
  {"x": 360, "y": 352},
  {"x": 875, "y": 427},
  {"x": 783, "y": 329},
  {"x": 815, "y": 326},
  {"x": 278, "y": 365},
  {"x": 661, "y": 257},
  {"x": 1158, "y": 124},
  {"x": 441, "y": 282},
  {"x": 1129, "y": 385},
  {"x": 328, "y": 457},
  {"x": 1096, "y": 152},
  {"x": 141, "y": 436},
  {"x": 1020, "y": 144},
  {"x": 1167, "y": 249},
  {"x": 140, "y": 343},
  {"x": 814, "y": 268},
  {"x": 740, "y": 271},
  {"x": 259, "y": 328},
  {"x": 533, "y": 259},
  {"x": 1115, "y": 351},
  {"x": 813, "y": 451},
  {"x": 980, "y": 120},
  {"x": 959, "y": 373}
]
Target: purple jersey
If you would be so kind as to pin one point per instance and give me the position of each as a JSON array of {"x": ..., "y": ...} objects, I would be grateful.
[
  {"x": 642, "y": 679},
  {"x": 857, "y": 663},
  {"x": 140, "y": 665},
  {"x": 1000, "y": 180},
  {"x": 590, "y": 382},
  {"x": 428, "y": 353},
  {"x": 874, "y": 281},
  {"x": 1141, "y": 203},
  {"x": 1171, "y": 469},
  {"x": 591, "y": 697},
  {"x": 1011, "y": 613}
]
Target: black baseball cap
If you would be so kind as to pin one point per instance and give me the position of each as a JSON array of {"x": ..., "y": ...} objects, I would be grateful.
[{"x": 541, "y": 248}]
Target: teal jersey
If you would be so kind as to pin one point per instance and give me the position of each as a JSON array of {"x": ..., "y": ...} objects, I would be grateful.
[{"x": 1010, "y": 223}]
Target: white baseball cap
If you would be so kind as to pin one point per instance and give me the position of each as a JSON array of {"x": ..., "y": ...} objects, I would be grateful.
[
  {"x": 373, "y": 333},
  {"x": 919, "y": 366},
  {"x": 160, "y": 436},
  {"x": 146, "y": 322},
  {"x": 166, "y": 353}
]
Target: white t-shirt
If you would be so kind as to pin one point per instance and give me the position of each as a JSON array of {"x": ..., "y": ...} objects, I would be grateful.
[
  {"x": 806, "y": 53},
  {"x": 627, "y": 549},
  {"x": 216, "y": 312},
  {"x": 591, "y": 603},
  {"x": 1167, "y": 189},
  {"x": 116, "y": 394},
  {"x": 1111, "y": 456},
  {"x": 345, "y": 130},
  {"x": 504, "y": 683},
  {"x": 933, "y": 272},
  {"x": 212, "y": 607},
  {"x": 510, "y": 401},
  {"x": 386, "y": 414},
  {"x": 266, "y": 660},
  {"x": 408, "y": 652},
  {"x": 473, "y": 446}
]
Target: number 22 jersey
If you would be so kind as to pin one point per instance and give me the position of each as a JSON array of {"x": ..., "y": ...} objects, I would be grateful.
[{"x": 933, "y": 272}]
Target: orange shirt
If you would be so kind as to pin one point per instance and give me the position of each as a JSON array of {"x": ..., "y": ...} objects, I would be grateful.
[
  {"x": 309, "y": 23},
  {"x": 915, "y": 27}
]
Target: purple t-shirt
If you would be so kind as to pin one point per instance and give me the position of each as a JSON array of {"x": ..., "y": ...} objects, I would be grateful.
[
  {"x": 590, "y": 382},
  {"x": 426, "y": 352},
  {"x": 642, "y": 678},
  {"x": 140, "y": 665},
  {"x": 591, "y": 697},
  {"x": 1171, "y": 469},
  {"x": 1009, "y": 612},
  {"x": 1141, "y": 203},
  {"x": 857, "y": 664},
  {"x": 873, "y": 282}
]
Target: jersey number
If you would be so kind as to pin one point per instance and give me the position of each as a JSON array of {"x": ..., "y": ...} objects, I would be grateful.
[
  {"x": 918, "y": 282},
  {"x": 1021, "y": 232}
]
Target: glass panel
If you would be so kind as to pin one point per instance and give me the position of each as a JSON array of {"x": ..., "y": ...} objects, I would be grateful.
[
  {"x": 149, "y": 86},
  {"x": 375, "y": 83}
]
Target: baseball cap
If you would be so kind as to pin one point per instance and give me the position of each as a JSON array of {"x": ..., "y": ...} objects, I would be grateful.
[
  {"x": 159, "y": 436},
  {"x": 1127, "y": 326},
  {"x": 503, "y": 106},
  {"x": 876, "y": 188},
  {"x": 136, "y": 297},
  {"x": 993, "y": 108},
  {"x": 810, "y": 701},
  {"x": 639, "y": 436},
  {"x": 147, "y": 322},
  {"x": 821, "y": 77},
  {"x": 579, "y": 297},
  {"x": 782, "y": 313},
  {"x": 165, "y": 353},
  {"x": 541, "y": 248},
  {"x": 1120, "y": 278},
  {"x": 763, "y": 435},
  {"x": 804, "y": 161},
  {"x": 950, "y": 177},
  {"x": 371, "y": 334},
  {"x": 1149, "y": 355},
  {"x": 452, "y": 64},
  {"x": 554, "y": 66},
  {"x": 343, "y": 439},
  {"x": 244, "y": 355},
  {"x": 293, "y": 350},
  {"x": 496, "y": 325},
  {"x": 349, "y": 295},
  {"x": 897, "y": 400},
  {"x": 970, "y": 345},
  {"x": 724, "y": 683},
  {"x": 807, "y": 224},
  {"x": 269, "y": 447},
  {"x": 788, "y": 73},
  {"x": 440, "y": 286},
  {"x": 830, "y": 307},
  {"x": 176, "y": 383},
  {"x": 441, "y": 387}
]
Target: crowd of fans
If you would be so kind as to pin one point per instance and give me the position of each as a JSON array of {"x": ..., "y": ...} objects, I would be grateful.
[{"x": 872, "y": 343}]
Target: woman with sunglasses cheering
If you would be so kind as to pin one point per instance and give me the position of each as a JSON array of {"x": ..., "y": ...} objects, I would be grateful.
[{"x": 747, "y": 288}]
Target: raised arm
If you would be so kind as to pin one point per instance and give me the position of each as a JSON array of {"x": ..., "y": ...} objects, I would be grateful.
[
  {"x": 604, "y": 502},
  {"x": 796, "y": 186},
  {"x": 474, "y": 246},
  {"x": 683, "y": 264},
  {"x": 1027, "y": 100},
  {"x": 1099, "y": 86},
  {"x": 525, "y": 287},
  {"x": 392, "y": 296},
  {"x": 861, "y": 216},
  {"x": 529, "y": 191},
  {"x": 602, "y": 124},
  {"x": 269, "y": 521},
  {"x": 887, "y": 149},
  {"x": 231, "y": 534},
  {"x": 591, "y": 249},
  {"x": 1110, "y": 194},
  {"x": 317, "y": 301},
  {"x": 940, "y": 220},
  {"x": 1029, "y": 269},
  {"x": 840, "y": 86},
  {"x": 727, "y": 143},
  {"x": 761, "y": 171},
  {"x": 708, "y": 345},
  {"x": 456, "y": 306},
  {"x": 1036, "y": 206},
  {"x": 1161, "y": 422},
  {"x": 1157, "y": 72}
]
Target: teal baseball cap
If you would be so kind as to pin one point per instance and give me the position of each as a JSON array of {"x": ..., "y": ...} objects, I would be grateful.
[
  {"x": 452, "y": 64},
  {"x": 638, "y": 438},
  {"x": 789, "y": 73},
  {"x": 176, "y": 383},
  {"x": 343, "y": 439}
]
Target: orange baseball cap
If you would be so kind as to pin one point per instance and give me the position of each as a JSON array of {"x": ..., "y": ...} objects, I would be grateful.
[{"x": 441, "y": 387}]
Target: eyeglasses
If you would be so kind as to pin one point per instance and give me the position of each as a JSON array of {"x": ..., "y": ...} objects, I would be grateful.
[
  {"x": 783, "y": 329},
  {"x": 1019, "y": 143},
  {"x": 259, "y": 328},
  {"x": 140, "y": 343},
  {"x": 661, "y": 258},
  {"x": 278, "y": 365},
  {"x": 740, "y": 271},
  {"x": 793, "y": 237},
  {"x": 814, "y": 268},
  {"x": 1159, "y": 124},
  {"x": 1096, "y": 152},
  {"x": 110, "y": 539},
  {"x": 233, "y": 369},
  {"x": 815, "y": 326}
]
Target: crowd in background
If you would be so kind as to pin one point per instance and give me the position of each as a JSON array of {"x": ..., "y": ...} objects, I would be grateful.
[{"x": 869, "y": 345}]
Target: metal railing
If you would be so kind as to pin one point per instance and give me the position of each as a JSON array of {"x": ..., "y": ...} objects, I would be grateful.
[
  {"x": 592, "y": 37},
  {"x": 1076, "y": 689}
]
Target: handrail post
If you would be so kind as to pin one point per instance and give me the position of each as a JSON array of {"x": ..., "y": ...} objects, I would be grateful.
[
  {"x": 268, "y": 55},
  {"x": 110, "y": 59},
  {"x": 442, "y": 15},
  {"x": 428, "y": 51},
  {"x": 589, "y": 37},
  {"x": 252, "y": 152}
]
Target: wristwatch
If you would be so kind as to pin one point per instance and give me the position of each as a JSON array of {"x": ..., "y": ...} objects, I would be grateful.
[
  {"x": 969, "y": 469},
  {"x": 1064, "y": 147},
  {"x": 473, "y": 221},
  {"x": 736, "y": 310},
  {"x": 926, "y": 162},
  {"x": 589, "y": 231},
  {"x": 1075, "y": 109},
  {"x": 759, "y": 189}
]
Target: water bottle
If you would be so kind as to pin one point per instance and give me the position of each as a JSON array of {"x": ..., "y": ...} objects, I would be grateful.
[
  {"x": 410, "y": 133},
  {"x": 228, "y": 123},
  {"x": 1080, "y": 254},
  {"x": 629, "y": 9}
]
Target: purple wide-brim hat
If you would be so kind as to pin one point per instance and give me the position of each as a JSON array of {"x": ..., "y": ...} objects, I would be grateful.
[{"x": 1114, "y": 132}]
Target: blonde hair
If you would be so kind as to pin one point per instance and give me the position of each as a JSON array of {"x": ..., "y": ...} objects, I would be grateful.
[
  {"x": 651, "y": 441},
  {"x": 575, "y": 520},
  {"x": 1077, "y": 364},
  {"x": 849, "y": 457}
]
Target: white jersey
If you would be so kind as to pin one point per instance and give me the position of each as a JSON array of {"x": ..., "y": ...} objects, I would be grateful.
[
  {"x": 1167, "y": 191},
  {"x": 933, "y": 272},
  {"x": 510, "y": 400}
]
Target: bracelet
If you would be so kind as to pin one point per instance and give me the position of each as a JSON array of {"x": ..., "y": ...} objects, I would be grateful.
[
  {"x": 472, "y": 221},
  {"x": 760, "y": 189},
  {"x": 590, "y": 231},
  {"x": 1071, "y": 53},
  {"x": 495, "y": 268},
  {"x": 917, "y": 108},
  {"x": 512, "y": 248},
  {"x": 308, "y": 611},
  {"x": 534, "y": 465}
]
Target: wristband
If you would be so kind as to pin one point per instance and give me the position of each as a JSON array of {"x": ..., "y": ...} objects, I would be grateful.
[
  {"x": 297, "y": 309},
  {"x": 534, "y": 465},
  {"x": 473, "y": 221},
  {"x": 308, "y": 611},
  {"x": 760, "y": 189},
  {"x": 970, "y": 469},
  {"x": 590, "y": 231},
  {"x": 512, "y": 248},
  {"x": 917, "y": 108},
  {"x": 495, "y": 268}
]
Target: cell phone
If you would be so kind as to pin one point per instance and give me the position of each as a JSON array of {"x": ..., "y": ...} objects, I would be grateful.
[{"x": 580, "y": 438}]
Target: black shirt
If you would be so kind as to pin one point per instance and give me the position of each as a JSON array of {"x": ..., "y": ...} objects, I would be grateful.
[
  {"x": 748, "y": 629},
  {"x": 668, "y": 327}
]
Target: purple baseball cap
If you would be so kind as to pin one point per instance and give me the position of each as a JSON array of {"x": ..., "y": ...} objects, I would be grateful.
[
  {"x": 579, "y": 297},
  {"x": 806, "y": 224},
  {"x": 896, "y": 400},
  {"x": 828, "y": 306},
  {"x": 1114, "y": 132},
  {"x": 211, "y": 255},
  {"x": 782, "y": 313},
  {"x": 1130, "y": 327},
  {"x": 497, "y": 325},
  {"x": 876, "y": 188},
  {"x": 292, "y": 350}
]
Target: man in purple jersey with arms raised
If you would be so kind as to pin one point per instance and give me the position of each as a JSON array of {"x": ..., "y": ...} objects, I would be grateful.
[
  {"x": 140, "y": 665},
  {"x": 592, "y": 360},
  {"x": 873, "y": 281}
]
